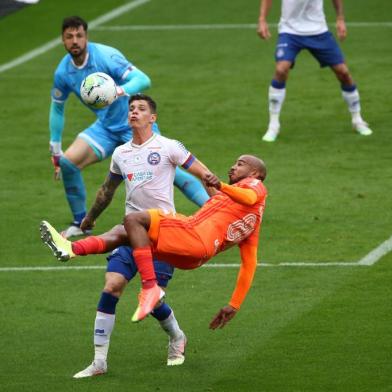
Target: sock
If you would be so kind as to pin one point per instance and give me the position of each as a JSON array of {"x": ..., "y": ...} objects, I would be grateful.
[
  {"x": 351, "y": 96},
  {"x": 89, "y": 245},
  {"x": 74, "y": 188},
  {"x": 167, "y": 320},
  {"x": 104, "y": 324},
  {"x": 191, "y": 187},
  {"x": 276, "y": 96},
  {"x": 145, "y": 266}
]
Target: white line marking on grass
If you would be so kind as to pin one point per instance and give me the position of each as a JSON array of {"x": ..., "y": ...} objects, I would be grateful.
[
  {"x": 377, "y": 253},
  {"x": 55, "y": 42},
  {"x": 217, "y": 26},
  {"x": 208, "y": 265}
]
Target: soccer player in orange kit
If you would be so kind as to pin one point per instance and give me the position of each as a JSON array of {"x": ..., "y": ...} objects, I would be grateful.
[{"x": 231, "y": 217}]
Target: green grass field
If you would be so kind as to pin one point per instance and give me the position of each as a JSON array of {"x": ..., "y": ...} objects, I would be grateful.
[{"x": 320, "y": 327}]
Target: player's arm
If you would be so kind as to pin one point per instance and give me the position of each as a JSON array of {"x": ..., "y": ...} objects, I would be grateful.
[
  {"x": 340, "y": 23},
  {"x": 201, "y": 171},
  {"x": 134, "y": 81},
  {"x": 245, "y": 196},
  {"x": 102, "y": 200},
  {"x": 262, "y": 28},
  {"x": 244, "y": 282},
  {"x": 56, "y": 126}
]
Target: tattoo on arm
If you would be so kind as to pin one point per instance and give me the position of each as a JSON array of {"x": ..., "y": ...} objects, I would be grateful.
[{"x": 104, "y": 196}]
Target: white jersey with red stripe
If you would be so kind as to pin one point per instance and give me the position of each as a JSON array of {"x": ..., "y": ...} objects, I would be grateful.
[
  {"x": 148, "y": 171},
  {"x": 303, "y": 17}
]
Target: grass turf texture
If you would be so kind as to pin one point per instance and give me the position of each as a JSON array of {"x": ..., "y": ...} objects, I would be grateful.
[{"x": 311, "y": 329}]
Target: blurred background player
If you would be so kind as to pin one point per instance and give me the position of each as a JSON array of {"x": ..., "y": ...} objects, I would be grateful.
[
  {"x": 303, "y": 26},
  {"x": 147, "y": 164},
  {"x": 231, "y": 217},
  {"x": 111, "y": 128}
]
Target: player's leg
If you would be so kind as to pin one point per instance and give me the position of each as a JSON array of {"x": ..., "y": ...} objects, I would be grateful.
[
  {"x": 286, "y": 51},
  {"x": 328, "y": 53},
  {"x": 191, "y": 187},
  {"x": 75, "y": 159},
  {"x": 351, "y": 97},
  {"x": 117, "y": 276},
  {"x": 167, "y": 320},
  {"x": 64, "y": 249},
  {"x": 92, "y": 145}
]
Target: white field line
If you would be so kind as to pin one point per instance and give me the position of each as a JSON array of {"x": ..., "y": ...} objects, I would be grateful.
[
  {"x": 208, "y": 265},
  {"x": 240, "y": 26},
  {"x": 55, "y": 42},
  {"x": 95, "y": 24},
  {"x": 376, "y": 254}
]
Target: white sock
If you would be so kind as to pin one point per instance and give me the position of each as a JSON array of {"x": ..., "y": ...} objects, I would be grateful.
[
  {"x": 353, "y": 103},
  {"x": 171, "y": 327},
  {"x": 104, "y": 324},
  {"x": 276, "y": 98}
]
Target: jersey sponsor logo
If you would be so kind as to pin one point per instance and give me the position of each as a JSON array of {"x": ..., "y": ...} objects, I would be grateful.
[
  {"x": 153, "y": 158},
  {"x": 242, "y": 228},
  {"x": 140, "y": 176}
]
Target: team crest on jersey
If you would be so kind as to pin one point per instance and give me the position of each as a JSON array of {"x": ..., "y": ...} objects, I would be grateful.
[
  {"x": 57, "y": 93},
  {"x": 154, "y": 158}
]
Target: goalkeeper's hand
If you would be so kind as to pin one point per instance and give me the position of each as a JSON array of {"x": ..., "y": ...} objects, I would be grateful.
[
  {"x": 120, "y": 92},
  {"x": 56, "y": 153}
]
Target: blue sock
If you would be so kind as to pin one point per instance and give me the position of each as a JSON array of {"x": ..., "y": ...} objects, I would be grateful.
[
  {"x": 348, "y": 88},
  {"x": 107, "y": 303},
  {"x": 191, "y": 187},
  {"x": 74, "y": 188},
  {"x": 276, "y": 84},
  {"x": 162, "y": 312}
]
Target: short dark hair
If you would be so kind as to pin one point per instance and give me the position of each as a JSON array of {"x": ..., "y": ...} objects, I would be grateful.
[
  {"x": 142, "y": 97},
  {"x": 74, "y": 22}
]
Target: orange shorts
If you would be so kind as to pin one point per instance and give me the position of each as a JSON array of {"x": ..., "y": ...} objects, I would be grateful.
[{"x": 176, "y": 241}]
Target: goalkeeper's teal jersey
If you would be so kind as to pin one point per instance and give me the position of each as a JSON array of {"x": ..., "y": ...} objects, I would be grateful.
[{"x": 101, "y": 58}]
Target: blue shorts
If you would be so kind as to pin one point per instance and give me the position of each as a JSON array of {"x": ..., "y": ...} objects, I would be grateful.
[
  {"x": 121, "y": 261},
  {"x": 322, "y": 46},
  {"x": 103, "y": 141}
]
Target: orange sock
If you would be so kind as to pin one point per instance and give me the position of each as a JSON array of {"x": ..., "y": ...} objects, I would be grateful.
[
  {"x": 145, "y": 266},
  {"x": 89, "y": 245}
]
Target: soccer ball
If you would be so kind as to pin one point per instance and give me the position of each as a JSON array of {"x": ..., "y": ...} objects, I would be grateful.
[{"x": 98, "y": 90}]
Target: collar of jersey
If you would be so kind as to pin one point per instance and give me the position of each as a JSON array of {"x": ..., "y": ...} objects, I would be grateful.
[
  {"x": 84, "y": 62},
  {"x": 154, "y": 135}
]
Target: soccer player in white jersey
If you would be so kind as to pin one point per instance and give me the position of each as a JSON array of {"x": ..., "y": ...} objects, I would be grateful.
[
  {"x": 111, "y": 127},
  {"x": 147, "y": 165},
  {"x": 303, "y": 26}
]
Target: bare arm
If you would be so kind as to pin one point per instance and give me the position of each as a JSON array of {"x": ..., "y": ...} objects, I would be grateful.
[
  {"x": 341, "y": 30},
  {"x": 262, "y": 28},
  {"x": 102, "y": 200},
  {"x": 201, "y": 171}
]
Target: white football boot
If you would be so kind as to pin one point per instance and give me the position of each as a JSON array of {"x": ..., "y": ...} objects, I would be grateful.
[
  {"x": 176, "y": 351},
  {"x": 362, "y": 128},
  {"x": 272, "y": 133},
  {"x": 97, "y": 368},
  {"x": 73, "y": 230}
]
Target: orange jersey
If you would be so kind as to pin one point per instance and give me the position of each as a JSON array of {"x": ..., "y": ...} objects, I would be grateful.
[{"x": 224, "y": 221}]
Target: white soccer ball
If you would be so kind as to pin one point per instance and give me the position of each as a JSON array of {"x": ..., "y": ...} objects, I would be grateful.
[{"x": 98, "y": 90}]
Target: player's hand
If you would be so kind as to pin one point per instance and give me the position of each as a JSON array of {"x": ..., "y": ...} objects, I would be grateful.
[
  {"x": 223, "y": 317},
  {"x": 263, "y": 30},
  {"x": 211, "y": 180},
  {"x": 341, "y": 29},
  {"x": 87, "y": 223},
  {"x": 56, "y": 152}
]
